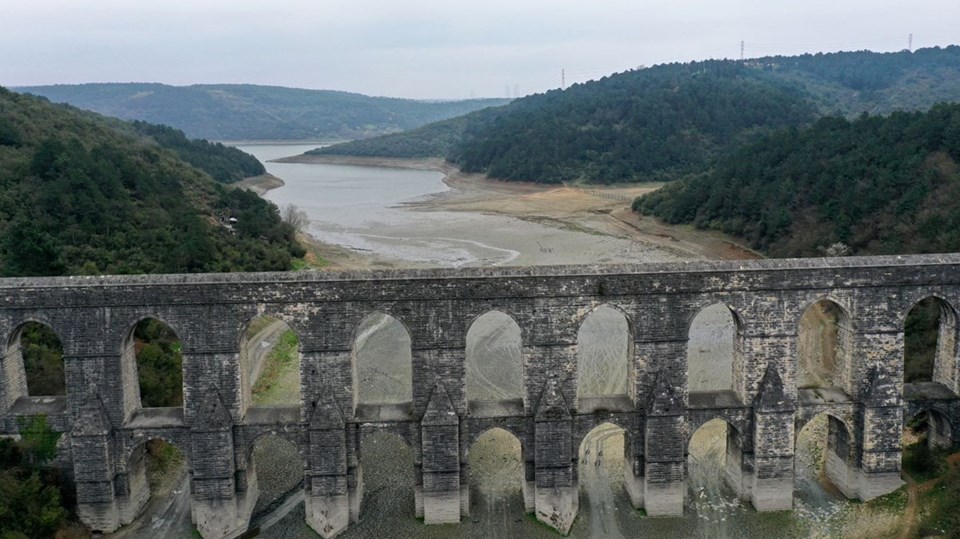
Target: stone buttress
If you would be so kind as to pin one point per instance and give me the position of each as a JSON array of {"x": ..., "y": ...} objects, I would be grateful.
[
  {"x": 556, "y": 495},
  {"x": 327, "y": 500},
  {"x": 440, "y": 446},
  {"x": 217, "y": 510},
  {"x": 880, "y": 447},
  {"x": 94, "y": 467},
  {"x": 665, "y": 452},
  {"x": 771, "y": 484}
]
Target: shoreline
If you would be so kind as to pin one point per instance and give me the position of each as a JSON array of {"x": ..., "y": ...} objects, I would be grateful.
[
  {"x": 260, "y": 184},
  {"x": 602, "y": 210}
]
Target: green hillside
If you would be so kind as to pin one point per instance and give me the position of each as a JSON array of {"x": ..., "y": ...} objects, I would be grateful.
[
  {"x": 249, "y": 112},
  {"x": 878, "y": 185},
  {"x": 668, "y": 120},
  {"x": 85, "y": 194}
]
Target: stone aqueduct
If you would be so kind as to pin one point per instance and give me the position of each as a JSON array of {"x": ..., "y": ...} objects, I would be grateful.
[{"x": 216, "y": 427}]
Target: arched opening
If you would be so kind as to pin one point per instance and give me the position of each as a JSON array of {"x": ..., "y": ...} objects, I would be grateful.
[
  {"x": 822, "y": 465},
  {"x": 275, "y": 471},
  {"x": 494, "y": 361},
  {"x": 270, "y": 363},
  {"x": 604, "y": 354},
  {"x": 713, "y": 343},
  {"x": 600, "y": 475},
  {"x": 495, "y": 462},
  {"x": 389, "y": 484},
  {"x": 156, "y": 351},
  {"x": 155, "y": 467},
  {"x": 824, "y": 346},
  {"x": 34, "y": 362},
  {"x": 383, "y": 369},
  {"x": 930, "y": 341},
  {"x": 927, "y": 436},
  {"x": 714, "y": 469}
]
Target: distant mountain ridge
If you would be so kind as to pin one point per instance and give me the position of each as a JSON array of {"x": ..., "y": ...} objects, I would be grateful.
[
  {"x": 668, "y": 120},
  {"x": 251, "y": 112}
]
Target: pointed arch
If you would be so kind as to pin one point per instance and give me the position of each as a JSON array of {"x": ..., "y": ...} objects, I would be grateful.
[
  {"x": 930, "y": 342},
  {"x": 151, "y": 365},
  {"x": 714, "y": 349},
  {"x": 929, "y": 427},
  {"x": 382, "y": 361},
  {"x": 605, "y": 351},
  {"x": 496, "y": 468},
  {"x": 146, "y": 457},
  {"x": 494, "y": 358},
  {"x": 270, "y": 360},
  {"x": 715, "y": 448},
  {"x": 276, "y": 465},
  {"x": 825, "y": 430},
  {"x": 33, "y": 363},
  {"x": 825, "y": 342}
]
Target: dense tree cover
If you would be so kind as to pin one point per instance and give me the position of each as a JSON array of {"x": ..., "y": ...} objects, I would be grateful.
[
  {"x": 159, "y": 364},
  {"x": 921, "y": 331},
  {"x": 850, "y": 83},
  {"x": 42, "y": 354},
  {"x": 433, "y": 140},
  {"x": 877, "y": 184},
  {"x": 250, "y": 112},
  {"x": 618, "y": 129},
  {"x": 80, "y": 195},
  {"x": 657, "y": 123},
  {"x": 224, "y": 164},
  {"x": 32, "y": 495}
]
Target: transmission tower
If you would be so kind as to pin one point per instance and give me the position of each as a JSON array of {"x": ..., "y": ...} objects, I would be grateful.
[{"x": 741, "y": 50}]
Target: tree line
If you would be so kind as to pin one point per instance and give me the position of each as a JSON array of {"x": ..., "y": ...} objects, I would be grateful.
[{"x": 666, "y": 121}]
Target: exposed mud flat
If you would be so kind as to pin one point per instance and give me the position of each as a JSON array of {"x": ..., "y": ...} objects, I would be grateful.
[{"x": 482, "y": 222}]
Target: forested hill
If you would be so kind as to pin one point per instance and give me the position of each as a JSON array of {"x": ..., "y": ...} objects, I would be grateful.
[
  {"x": 878, "y": 185},
  {"x": 671, "y": 119},
  {"x": 249, "y": 112},
  {"x": 84, "y": 194}
]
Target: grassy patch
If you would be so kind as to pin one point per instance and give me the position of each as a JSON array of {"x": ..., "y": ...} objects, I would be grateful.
[
  {"x": 896, "y": 501},
  {"x": 280, "y": 375},
  {"x": 312, "y": 259}
]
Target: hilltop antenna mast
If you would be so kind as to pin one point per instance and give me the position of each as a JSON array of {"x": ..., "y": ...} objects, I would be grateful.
[
  {"x": 563, "y": 78},
  {"x": 910, "y": 43},
  {"x": 741, "y": 50}
]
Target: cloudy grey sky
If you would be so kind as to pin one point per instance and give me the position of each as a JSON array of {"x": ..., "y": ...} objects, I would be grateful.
[{"x": 431, "y": 48}]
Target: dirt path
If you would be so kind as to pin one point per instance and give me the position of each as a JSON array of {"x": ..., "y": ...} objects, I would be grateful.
[
  {"x": 909, "y": 517},
  {"x": 167, "y": 514}
]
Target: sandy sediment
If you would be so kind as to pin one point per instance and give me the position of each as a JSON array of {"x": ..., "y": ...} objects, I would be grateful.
[
  {"x": 260, "y": 184},
  {"x": 600, "y": 211}
]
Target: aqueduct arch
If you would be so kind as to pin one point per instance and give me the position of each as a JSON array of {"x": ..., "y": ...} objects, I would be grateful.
[{"x": 215, "y": 427}]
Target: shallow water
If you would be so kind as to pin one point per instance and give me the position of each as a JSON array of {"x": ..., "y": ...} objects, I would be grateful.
[{"x": 361, "y": 208}]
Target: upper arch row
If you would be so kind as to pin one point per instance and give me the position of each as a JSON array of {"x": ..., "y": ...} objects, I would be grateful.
[{"x": 737, "y": 314}]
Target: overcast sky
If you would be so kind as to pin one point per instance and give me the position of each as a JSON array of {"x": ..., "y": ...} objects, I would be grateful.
[{"x": 431, "y": 48}]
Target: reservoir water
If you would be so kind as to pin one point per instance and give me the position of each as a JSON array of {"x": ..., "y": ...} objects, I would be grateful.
[{"x": 362, "y": 208}]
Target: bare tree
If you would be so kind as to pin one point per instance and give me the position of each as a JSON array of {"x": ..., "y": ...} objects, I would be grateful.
[
  {"x": 295, "y": 217},
  {"x": 836, "y": 249}
]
